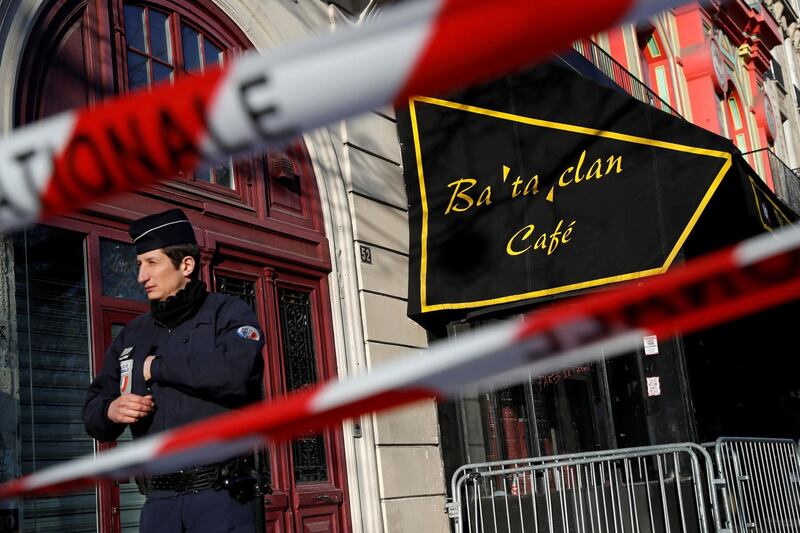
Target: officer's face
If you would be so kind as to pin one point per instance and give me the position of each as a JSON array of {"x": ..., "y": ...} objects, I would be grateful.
[{"x": 159, "y": 277}]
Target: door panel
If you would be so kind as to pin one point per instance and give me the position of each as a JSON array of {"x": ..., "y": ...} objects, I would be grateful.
[
  {"x": 249, "y": 289},
  {"x": 125, "y": 500},
  {"x": 276, "y": 506},
  {"x": 131, "y": 500},
  {"x": 319, "y": 520},
  {"x": 316, "y": 485},
  {"x": 307, "y": 474}
]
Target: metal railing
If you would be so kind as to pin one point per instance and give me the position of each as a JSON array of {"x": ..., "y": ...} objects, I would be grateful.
[
  {"x": 749, "y": 486},
  {"x": 784, "y": 179},
  {"x": 651, "y": 489},
  {"x": 621, "y": 76},
  {"x": 758, "y": 484}
]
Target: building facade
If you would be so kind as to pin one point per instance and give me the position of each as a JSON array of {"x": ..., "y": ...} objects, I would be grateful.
[
  {"x": 729, "y": 68},
  {"x": 313, "y": 236},
  {"x": 721, "y": 67}
]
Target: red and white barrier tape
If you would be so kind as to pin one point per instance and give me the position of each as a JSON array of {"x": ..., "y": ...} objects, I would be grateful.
[
  {"x": 418, "y": 47},
  {"x": 754, "y": 275}
]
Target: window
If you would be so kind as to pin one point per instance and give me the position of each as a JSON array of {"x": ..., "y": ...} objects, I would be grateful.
[
  {"x": 657, "y": 67},
  {"x": 149, "y": 46},
  {"x": 79, "y": 53},
  {"x": 652, "y": 47},
  {"x": 737, "y": 128},
  {"x": 566, "y": 411},
  {"x": 118, "y": 271},
  {"x": 154, "y": 51},
  {"x": 662, "y": 85},
  {"x": 199, "y": 52},
  {"x": 736, "y": 116},
  {"x": 777, "y": 73},
  {"x": 354, "y": 7},
  {"x": 55, "y": 368}
]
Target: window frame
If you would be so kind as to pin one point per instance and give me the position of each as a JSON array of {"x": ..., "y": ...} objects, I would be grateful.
[
  {"x": 256, "y": 202},
  {"x": 658, "y": 69},
  {"x": 147, "y": 52},
  {"x": 230, "y": 40},
  {"x": 737, "y": 124},
  {"x": 99, "y": 496}
]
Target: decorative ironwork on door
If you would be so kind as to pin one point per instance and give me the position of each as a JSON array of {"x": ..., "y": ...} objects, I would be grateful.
[
  {"x": 300, "y": 363},
  {"x": 245, "y": 290},
  {"x": 240, "y": 288}
]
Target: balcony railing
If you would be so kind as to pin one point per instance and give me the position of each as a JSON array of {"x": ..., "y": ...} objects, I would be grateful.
[
  {"x": 785, "y": 180},
  {"x": 621, "y": 76}
]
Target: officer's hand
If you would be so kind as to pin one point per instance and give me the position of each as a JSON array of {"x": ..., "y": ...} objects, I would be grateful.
[
  {"x": 147, "y": 362},
  {"x": 129, "y": 408}
]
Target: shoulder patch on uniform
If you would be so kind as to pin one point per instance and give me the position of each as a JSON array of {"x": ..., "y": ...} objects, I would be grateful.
[{"x": 249, "y": 332}]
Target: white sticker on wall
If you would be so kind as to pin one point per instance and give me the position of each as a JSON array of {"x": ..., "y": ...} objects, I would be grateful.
[
  {"x": 650, "y": 345},
  {"x": 654, "y": 386}
]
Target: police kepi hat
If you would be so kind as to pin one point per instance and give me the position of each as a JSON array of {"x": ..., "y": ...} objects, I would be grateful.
[{"x": 161, "y": 229}]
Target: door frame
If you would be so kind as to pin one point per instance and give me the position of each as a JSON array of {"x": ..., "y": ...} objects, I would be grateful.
[
  {"x": 108, "y": 499},
  {"x": 284, "y": 507}
]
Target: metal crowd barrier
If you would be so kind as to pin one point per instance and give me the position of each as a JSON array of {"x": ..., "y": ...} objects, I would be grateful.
[
  {"x": 634, "y": 490},
  {"x": 758, "y": 484},
  {"x": 750, "y": 486}
]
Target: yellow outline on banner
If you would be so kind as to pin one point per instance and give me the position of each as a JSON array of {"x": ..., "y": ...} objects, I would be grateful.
[
  {"x": 759, "y": 201},
  {"x": 425, "y": 308}
]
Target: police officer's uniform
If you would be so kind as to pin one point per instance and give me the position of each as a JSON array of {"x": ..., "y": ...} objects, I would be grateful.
[{"x": 209, "y": 362}]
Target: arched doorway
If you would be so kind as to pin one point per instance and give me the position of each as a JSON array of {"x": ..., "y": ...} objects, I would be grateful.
[{"x": 259, "y": 226}]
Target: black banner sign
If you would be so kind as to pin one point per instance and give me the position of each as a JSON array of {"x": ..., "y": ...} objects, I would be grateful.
[
  {"x": 545, "y": 183},
  {"x": 768, "y": 211}
]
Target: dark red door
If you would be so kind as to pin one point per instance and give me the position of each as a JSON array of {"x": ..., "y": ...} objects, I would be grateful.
[
  {"x": 308, "y": 475},
  {"x": 119, "y": 502}
]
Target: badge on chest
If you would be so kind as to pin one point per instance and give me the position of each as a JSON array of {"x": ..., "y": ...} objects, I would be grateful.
[{"x": 125, "y": 370}]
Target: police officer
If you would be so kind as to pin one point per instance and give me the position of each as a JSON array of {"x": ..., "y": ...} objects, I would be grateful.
[{"x": 192, "y": 356}]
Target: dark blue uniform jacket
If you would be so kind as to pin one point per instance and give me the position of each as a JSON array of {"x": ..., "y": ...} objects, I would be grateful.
[{"x": 208, "y": 364}]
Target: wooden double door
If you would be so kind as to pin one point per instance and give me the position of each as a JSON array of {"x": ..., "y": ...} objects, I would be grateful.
[{"x": 307, "y": 475}]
